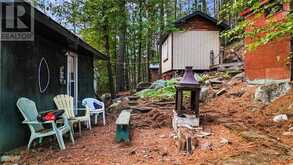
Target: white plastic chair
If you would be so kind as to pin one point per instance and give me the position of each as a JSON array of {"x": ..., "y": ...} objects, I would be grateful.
[{"x": 89, "y": 104}]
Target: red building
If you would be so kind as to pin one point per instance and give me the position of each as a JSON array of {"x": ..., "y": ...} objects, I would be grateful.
[{"x": 272, "y": 60}]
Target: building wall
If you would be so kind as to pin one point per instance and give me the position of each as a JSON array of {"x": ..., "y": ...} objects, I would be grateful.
[
  {"x": 85, "y": 77},
  {"x": 19, "y": 78},
  {"x": 192, "y": 48},
  {"x": 167, "y": 55},
  {"x": 271, "y": 60}
]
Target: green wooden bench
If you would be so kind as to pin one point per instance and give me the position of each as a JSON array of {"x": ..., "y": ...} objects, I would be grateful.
[{"x": 123, "y": 127}]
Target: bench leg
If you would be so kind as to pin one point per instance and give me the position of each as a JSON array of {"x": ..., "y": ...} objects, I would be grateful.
[{"x": 122, "y": 133}]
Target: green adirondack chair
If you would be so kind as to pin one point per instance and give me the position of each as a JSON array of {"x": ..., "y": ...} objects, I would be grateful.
[{"x": 29, "y": 111}]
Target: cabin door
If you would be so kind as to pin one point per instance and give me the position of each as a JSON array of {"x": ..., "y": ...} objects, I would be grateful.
[{"x": 72, "y": 85}]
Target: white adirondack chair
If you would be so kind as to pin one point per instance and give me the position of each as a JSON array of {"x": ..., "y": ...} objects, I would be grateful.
[
  {"x": 29, "y": 111},
  {"x": 89, "y": 104},
  {"x": 65, "y": 102}
]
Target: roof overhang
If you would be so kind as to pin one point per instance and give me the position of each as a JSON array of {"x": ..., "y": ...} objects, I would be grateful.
[
  {"x": 46, "y": 25},
  {"x": 184, "y": 20}
]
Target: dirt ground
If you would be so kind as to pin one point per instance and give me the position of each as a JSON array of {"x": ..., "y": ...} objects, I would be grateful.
[{"x": 254, "y": 138}]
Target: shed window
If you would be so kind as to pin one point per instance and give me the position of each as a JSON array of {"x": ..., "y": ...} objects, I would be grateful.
[{"x": 165, "y": 51}]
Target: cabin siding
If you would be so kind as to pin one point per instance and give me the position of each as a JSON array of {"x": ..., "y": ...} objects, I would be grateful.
[
  {"x": 167, "y": 54},
  {"x": 19, "y": 78},
  {"x": 192, "y": 48},
  {"x": 19, "y": 62},
  {"x": 85, "y": 77}
]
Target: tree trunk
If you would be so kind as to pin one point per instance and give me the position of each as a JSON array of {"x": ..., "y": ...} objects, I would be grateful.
[
  {"x": 148, "y": 60},
  {"x": 107, "y": 50},
  {"x": 175, "y": 9},
  {"x": 126, "y": 80},
  {"x": 140, "y": 43},
  {"x": 122, "y": 49}
]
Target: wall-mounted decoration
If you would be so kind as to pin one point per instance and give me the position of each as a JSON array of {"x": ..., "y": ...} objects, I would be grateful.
[
  {"x": 62, "y": 80},
  {"x": 43, "y": 75}
]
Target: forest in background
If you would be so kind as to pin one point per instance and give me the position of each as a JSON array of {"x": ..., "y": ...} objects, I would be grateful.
[{"x": 128, "y": 31}]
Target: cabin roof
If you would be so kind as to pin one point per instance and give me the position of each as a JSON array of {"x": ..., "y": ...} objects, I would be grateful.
[
  {"x": 189, "y": 17},
  {"x": 45, "y": 25}
]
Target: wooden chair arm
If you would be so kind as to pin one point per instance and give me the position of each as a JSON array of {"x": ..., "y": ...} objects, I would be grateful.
[
  {"x": 81, "y": 109},
  {"x": 37, "y": 122}
]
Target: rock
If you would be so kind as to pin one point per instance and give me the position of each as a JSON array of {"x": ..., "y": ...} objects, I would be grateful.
[
  {"x": 197, "y": 77},
  {"x": 269, "y": 92},
  {"x": 188, "y": 121},
  {"x": 204, "y": 93},
  {"x": 207, "y": 146},
  {"x": 224, "y": 141},
  {"x": 237, "y": 78},
  {"x": 158, "y": 84},
  {"x": 281, "y": 117},
  {"x": 9, "y": 158}
]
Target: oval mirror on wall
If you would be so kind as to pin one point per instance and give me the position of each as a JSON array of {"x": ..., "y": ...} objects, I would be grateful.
[{"x": 43, "y": 75}]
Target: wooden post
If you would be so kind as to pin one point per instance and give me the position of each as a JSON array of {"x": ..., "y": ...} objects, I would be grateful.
[
  {"x": 196, "y": 101},
  {"x": 193, "y": 101},
  {"x": 179, "y": 96}
]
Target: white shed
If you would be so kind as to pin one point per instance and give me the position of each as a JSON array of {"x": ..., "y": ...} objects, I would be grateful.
[{"x": 193, "y": 46}]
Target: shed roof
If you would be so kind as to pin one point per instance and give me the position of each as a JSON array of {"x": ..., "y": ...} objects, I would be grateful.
[{"x": 189, "y": 17}]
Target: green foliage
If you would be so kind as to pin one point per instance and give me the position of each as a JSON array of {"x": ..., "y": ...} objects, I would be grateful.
[
  {"x": 272, "y": 30},
  {"x": 166, "y": 93}
]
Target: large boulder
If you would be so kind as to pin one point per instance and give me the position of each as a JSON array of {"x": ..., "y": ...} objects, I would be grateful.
[
  {"x": 158, "y": 84},
  {"x": 204, "y": 92},
  {"x": 269, "y": 92}
]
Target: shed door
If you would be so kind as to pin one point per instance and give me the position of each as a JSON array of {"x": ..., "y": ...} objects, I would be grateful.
[{"x": 72, "y": 85}]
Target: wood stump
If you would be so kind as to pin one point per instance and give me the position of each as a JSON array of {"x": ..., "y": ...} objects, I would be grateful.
[{"x": 186, "y": 141}]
